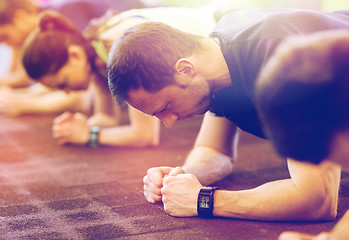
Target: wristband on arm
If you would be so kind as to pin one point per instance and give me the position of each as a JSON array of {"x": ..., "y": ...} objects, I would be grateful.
[
  {"x": 94, "y": 135},
  {"x": 206, "y": 201}
]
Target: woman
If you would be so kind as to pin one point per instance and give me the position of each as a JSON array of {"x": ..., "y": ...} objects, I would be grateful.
[{"x": 57, "y": 55}]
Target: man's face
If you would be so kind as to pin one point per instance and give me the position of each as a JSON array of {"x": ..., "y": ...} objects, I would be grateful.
[{"x": 172, "y": 103}]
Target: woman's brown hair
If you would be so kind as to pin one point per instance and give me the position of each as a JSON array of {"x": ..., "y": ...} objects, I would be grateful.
[{"x": 46, "y": 49}]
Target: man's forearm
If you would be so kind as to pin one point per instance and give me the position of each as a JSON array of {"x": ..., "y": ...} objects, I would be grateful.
[
  {"x": 313, "y": 199},
  {"x": 275, "y": 201},
  {"x": 208, "y": 165}
]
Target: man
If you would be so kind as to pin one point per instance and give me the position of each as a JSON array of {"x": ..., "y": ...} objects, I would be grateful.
[
  {"x": 302, "y": 98},
  {"x": 174, "y": 75}
]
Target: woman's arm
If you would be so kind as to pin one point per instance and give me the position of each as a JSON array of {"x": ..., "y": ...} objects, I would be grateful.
[
  {"x": 17, "y": 102},
  {"x": 142, "y": 131},
  {"x": 105, "y": 111}
]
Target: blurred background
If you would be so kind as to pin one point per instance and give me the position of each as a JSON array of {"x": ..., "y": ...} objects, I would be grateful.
[{"x": 326, "y": 5}]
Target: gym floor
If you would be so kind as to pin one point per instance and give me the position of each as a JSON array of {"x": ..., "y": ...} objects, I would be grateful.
[{"x": 56, "y": 192}]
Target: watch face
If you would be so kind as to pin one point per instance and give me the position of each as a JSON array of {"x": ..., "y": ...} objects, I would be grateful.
[{"x": 204, "y": 201}]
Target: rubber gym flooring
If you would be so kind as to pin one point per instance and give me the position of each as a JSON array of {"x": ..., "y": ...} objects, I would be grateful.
[{"x": 56, "y": 192}]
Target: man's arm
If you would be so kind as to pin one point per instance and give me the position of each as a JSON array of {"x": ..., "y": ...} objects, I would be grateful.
[
  {"x": 310, "y": 194},
  {"x": 214, "y": 151},
  {"x": 210, "y": 160}
]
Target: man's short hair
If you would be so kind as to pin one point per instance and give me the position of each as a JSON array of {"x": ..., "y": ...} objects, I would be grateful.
[{"x": 302, "y": 94}]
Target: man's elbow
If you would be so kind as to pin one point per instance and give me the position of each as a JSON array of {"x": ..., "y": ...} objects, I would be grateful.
[
  {"x": 321, "y": 196},
  {"x": 328, "y": 196},
  {"x": 323, "y": 204},
  {"x": 327, "y": 206}
]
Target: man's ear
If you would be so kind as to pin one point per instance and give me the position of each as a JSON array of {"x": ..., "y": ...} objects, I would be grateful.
[{"x": 185, "y": 66}]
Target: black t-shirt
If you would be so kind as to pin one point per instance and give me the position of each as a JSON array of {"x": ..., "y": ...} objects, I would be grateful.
[{"x": 247, "y": 39}]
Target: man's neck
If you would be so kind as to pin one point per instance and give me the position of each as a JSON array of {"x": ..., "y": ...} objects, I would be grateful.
[{"x": 215, "y": 67}]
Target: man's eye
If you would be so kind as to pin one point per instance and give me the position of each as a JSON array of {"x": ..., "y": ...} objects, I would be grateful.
[{"x": 161, "y": 111}]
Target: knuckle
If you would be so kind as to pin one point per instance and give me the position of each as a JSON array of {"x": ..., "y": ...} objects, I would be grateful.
[
  {"x": 168, "y": 210},
  {"x": 164, "y": 201},
  {"x": 145, "y": 179},
  {"x": 166, "y": 180},
  {"x": 150, "y": 170},
  {"x": 158, "y": 198},
  {"x": 163, "y": 191}
]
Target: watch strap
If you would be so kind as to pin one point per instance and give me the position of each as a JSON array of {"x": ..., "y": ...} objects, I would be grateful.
[
  {"x": 94, "y": 136},
  {"x": 208, "y": 193}
]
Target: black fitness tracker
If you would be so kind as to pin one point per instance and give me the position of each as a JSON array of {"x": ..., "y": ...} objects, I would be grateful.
[
  {"x": 94, "y": 134},
  {"x": 205, "y": 202}
]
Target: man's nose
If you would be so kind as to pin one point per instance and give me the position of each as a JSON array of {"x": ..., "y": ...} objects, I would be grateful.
[{"x": 167, "y": 118}]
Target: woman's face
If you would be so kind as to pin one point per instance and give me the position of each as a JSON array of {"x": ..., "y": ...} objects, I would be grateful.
[{"x": 74, "y": 75}]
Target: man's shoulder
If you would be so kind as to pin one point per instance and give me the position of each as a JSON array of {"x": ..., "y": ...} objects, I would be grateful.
[{"x": 237, "y": 22}]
